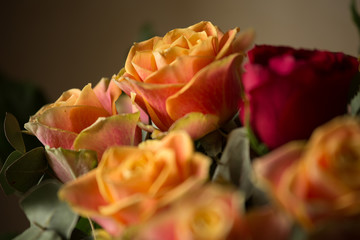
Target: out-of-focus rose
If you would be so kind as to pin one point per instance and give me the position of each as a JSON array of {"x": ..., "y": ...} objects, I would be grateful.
[
  {"x": 207, "y": 213},
  {"x": 318, "y": 181},
  {"x": 83, "y": 119},
  {"x": 214, "y": 212},
  {"x": 291, "y": 92},
  {"x": 189, "y": 79},
  {"x": 131, "y": 183}
]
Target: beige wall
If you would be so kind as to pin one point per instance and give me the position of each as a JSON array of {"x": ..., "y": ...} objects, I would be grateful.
[{"x": 65, "y": 44}]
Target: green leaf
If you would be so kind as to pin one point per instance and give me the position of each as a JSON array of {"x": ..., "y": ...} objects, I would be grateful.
[
  {"x": 27, "y": 170},
  {"x": 234, "y": 166},
  {"x": 36, "y": 233},
  {"x": 45, "y": 211},
  {"x": 212, "y": 144},
  {"x": 13, "y": 133},
  {"x": 259, "y": 147},
  {"x": 15, "y": 155},
  {"x": 355, "y": 105},
  {"x": 84, "y": 226}
]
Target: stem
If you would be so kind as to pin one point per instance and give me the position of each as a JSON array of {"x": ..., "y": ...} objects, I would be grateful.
[{"x": 92, "y": 228}]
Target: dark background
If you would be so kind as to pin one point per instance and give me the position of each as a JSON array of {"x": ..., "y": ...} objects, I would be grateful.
[{"x": 48, "y": 46}]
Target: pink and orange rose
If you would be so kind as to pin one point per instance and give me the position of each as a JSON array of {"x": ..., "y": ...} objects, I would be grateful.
[
  {"x": 131, "y": 183},
  {"x": 209, "y": 212},
  {"x": 290, "y": 92},
  {"x": 189, "y": 79},
  {"x": 318, "y": 181},
  {"x": 83, "y": 120},
  {"x": 214, "y": 212}
]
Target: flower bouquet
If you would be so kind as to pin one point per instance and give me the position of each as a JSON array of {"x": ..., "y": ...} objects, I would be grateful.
[{"x": 201, "y": 135}]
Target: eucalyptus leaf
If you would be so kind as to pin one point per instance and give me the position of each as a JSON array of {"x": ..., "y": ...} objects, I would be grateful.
[
  {"x": 84, "y": 225},
  {"x": 212, "y": 144},
  {"x": 13, "y": 133},
  {"x": 355, "y": 105},
  {"x": 15, "y": 155},
  {"x": 45, "y": 211},
  {"x": 35, "y": 233},
  {"x": 27, "y": 170},
  {"x": 234, "y": 166}
]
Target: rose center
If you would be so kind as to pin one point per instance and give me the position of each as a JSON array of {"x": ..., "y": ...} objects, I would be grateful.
[
  {"x": 134, "y": 168},
  {"x": 207, "y": 222}
]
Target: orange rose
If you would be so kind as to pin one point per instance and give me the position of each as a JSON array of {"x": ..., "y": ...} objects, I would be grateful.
[
  {"x": 319, "y": 181},
  {"x": 214, "y": 212},
  {"x": 207, "y": 213},
  {"x": 131, "y": 183},
  {"x": 75, "y": 120},
  {"x": 189, "y": 79}
]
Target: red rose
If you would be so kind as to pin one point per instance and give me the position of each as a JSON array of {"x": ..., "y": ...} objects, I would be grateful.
[{"x": 290, "y": 92}]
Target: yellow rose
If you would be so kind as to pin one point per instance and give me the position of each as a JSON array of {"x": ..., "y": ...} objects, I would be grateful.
[{"x": 131, "y": 183}]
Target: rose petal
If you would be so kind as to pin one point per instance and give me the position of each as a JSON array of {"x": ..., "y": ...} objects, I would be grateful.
[
  {"x": 107, "y": 132},
  {"x": 196, "y": 124},
  {"x": 142, "y": 46},
  {"x": 272, "y": 166},
  {"x": 181, "y": 71},
  {"x": 83, "y": 194},
  {"x": 71, "y": 118},
  {"x": 88, "y": 97},
  {"x": 226, "y": 43},
  {"x": 179, "y": 142},
  {"x": 68, "y": 164},
  {"x": 153, "y": 97},
  {"x": 107, "y": 92},
  {"x": 208, "y": 27},
  {"x": 125, "y": 105},
  {"x": 51, "y": 137},
  {"x": 214, "y": 90},
  {"x": 144, "y": 63},
  {"x": 243, "y": 41},
  {"x": 207, "y": 47}
]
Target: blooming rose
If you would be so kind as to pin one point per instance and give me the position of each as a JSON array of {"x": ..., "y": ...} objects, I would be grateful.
[
  {"x": 290, "y": 92},
  {"x": 76, "y": 120},
  {"x": 131, "y": 183},
  {"x": 319, "y": 181},
  {"x": 189, "y": 79},
  {"x": 209, "y": 213},
  {"x": 213, "y": 212}
]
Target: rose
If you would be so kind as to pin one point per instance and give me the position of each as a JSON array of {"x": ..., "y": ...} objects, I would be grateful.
[
  {"x": 131, "y": 183},
  {"x": 189, "y": 79},
  {"x": 82, "y": 119},
  {"x": 214, "y": 212},
  {"x": 318, "y": 181},
  {"x": 290, "y": 92},
  {"x": 209, "y": 212}
]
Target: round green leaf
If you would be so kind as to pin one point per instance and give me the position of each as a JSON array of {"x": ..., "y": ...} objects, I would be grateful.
[
  {"x": 15, "y": 155},
  {"x": 13, "y": 133},
  {"x": 44, "y": 210},
  {"x": 27, "y": 170}
]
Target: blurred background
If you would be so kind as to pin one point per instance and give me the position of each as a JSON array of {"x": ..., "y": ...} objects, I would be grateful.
[
  {"x": 48, "y": 46},
  {"x": 64, "y": 44}
]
